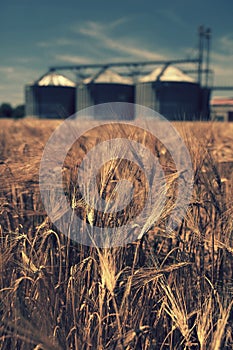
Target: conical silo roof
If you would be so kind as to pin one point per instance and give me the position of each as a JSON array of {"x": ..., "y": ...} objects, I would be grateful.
[
  {"x": 169, "y": 73},
  {"x": 55, "y": 79},
  {"x": 108, "y": 76}
]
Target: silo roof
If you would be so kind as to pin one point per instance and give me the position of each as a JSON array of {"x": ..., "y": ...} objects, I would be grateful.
[
  {"x": 108, "y": 76},
  {"x": 54, "y": 79},
  {"x": 170, "y": 73}
]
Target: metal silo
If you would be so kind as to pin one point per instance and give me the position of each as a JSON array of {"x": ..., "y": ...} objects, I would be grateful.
[
  {"x": 52, "y": 96},
  {"x": 170, "y": 92},
  {"x": 106, "y": 86}
]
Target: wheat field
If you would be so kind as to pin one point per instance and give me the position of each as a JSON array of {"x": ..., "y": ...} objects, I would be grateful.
[{"x": 159, "y": 292}]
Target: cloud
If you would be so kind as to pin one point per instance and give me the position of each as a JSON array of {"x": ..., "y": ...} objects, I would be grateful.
[
  {"x": 100, "y": 42},
  {"x": 13, "y": 80},
  {"x": 74, "y": 59},
  {"x": 223, "y": 75},
  {"x": 172, "y": 17},
  {"x": 25, "y": 60},
  {"x": 8, "y": 95},
  {"x": 226, "y": 43},
  {"x": 118, "y": 22},
  {"x": 103, "y": 42},
  {"x": 57, "y": 42},
  {"x": 6, "y": 70},
  {"x": 102, "y": 37},
  {"x": 221, "y": 60}
]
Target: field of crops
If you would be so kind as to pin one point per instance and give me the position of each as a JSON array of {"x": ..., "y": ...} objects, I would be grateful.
[{"x": 163, "y": 291}]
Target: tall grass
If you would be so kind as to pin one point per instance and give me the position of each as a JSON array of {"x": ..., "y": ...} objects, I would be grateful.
[{"x": 160, "y": 292}]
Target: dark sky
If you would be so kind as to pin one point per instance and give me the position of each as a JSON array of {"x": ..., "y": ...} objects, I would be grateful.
[{"x": 36, "y": 35}]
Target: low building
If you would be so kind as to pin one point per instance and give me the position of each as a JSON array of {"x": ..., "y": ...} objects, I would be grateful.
[{"x": 222, "y": 109}]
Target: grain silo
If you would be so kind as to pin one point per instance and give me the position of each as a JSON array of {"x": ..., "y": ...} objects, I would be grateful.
[
  {"x": 170, "y": 92},
  {"x": 104, "y": 87},
  {"x": 52, "y": 96}
]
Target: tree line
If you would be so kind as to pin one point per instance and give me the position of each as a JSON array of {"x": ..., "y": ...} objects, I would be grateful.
[{"x": 7, "y": 111}]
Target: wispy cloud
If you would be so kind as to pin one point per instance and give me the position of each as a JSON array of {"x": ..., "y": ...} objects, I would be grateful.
[
  {"x": 223, "y": 69},
  {"x": 73, "y": 59},
  {"x": 223, "y": 73},
  {"x": 26, "y": 60},
  {"x": 222, "y": 59},
  {"x": 89, "y": 42},
  {"x": 57, "y": 42},
  {"x": 7, "y": 70},
  {"x": 103, "y": 39},
  {"x": 171, "y": 17},
  {"x": 118, "y": 22},
  {"x": 226, "y": 43},
  {"x": 13, "y": 80}
]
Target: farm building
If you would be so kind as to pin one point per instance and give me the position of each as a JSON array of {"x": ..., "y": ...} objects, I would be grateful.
[
  {"x": 173, "y": 94},
  {"x": 52, "y": 96},
  {"x": 222, "y": 109},
  {"x": 105, "y": 86},
  {"x": 167, "y": 90}
]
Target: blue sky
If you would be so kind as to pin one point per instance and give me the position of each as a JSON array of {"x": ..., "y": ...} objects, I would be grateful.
[{"x": 37, "y": 35}]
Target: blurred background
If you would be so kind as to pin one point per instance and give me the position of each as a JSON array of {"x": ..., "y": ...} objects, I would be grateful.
[{"x": 38, "y": 36}]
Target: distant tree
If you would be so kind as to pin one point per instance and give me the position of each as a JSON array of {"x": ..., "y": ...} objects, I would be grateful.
[
  {"x": 6, "y": 110},
  {"x": 19, "y": 112}
]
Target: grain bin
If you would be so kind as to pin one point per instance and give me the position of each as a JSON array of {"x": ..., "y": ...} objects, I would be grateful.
[
  {"x": 52, "y": 96},
  {"x": 170, "y": 92},
  {"x": 105, "y": 86}
]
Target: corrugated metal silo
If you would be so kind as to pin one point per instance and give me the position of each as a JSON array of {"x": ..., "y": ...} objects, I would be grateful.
[
  {"x": 52, "y": 96},
  {"x": 170, "y": 92},
  {"x": 106, "y": 86}
]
